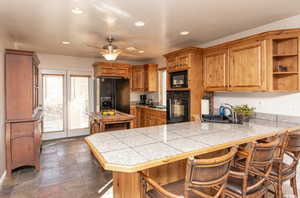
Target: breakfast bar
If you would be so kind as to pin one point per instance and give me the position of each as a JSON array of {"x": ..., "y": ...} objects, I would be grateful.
[{"x": 161, "y": 151}]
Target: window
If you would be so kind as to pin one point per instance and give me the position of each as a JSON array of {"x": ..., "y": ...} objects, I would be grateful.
[{"x": 162, "y": 87}]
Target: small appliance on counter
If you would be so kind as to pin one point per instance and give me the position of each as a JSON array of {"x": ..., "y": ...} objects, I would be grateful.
[{"x": 143, "y": 99}]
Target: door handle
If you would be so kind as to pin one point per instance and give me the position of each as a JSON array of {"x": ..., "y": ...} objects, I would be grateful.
[{"x": 170, "y": 111}]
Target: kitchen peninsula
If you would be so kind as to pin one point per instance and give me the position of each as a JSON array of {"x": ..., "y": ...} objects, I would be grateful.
[{"x": 161, "y": 151}]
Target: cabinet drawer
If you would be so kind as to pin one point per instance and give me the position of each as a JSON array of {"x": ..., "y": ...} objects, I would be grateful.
[{"x": 25, "y": 129}]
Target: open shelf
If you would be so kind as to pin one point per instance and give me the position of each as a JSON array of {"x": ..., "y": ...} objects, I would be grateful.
[
  {"x": 285, "y": 64},
  {"x": 286, "y": 46}
]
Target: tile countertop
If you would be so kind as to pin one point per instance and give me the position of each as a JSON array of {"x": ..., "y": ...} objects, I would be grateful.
[{"x": 142, "y": 148}]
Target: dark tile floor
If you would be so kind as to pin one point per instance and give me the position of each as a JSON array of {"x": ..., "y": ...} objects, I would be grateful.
[{"x": 67, "y": 171}]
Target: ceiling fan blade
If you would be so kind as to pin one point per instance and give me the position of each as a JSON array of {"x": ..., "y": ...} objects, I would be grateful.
[
  {"x": 130, "y": 54},
  {"x": 93, "y": 46}
]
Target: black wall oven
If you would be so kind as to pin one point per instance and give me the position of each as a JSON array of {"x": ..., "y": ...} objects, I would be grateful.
[
  {"x": 178, "y": 106},
  {"x": 179, "y": 79}
]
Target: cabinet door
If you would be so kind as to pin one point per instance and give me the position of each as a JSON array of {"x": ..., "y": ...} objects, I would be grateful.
[
  {"x": 215, "y": 68},
  {"x": 171, "y": 62},
  {"x": 151, "y": 77},
  {"x": 247, "y": 66},
  {"x": 22, "y": 151},
  {"x": 183, "y": 61},
  {"x": 140, "y": 79}
]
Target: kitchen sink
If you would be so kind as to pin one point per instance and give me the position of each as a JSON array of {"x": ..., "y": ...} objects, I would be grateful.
[{"x": 216, "y": 118}]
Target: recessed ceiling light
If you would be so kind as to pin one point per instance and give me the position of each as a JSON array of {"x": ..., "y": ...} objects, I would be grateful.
[
  {"x": 184, "y": 33},
  {"x": 131, "y": 48},
  {"x": 141, "y": 51},
  {"x": 77, "y": 11},
  {"x": 139, "y": 23},
  {"x": 66, "y": 42}
]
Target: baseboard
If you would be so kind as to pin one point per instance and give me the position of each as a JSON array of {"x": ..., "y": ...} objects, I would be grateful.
[{"x": 2, "y": 178}]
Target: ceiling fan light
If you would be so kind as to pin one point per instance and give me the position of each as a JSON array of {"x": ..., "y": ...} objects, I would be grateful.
[{"x": 111, "y": 56}]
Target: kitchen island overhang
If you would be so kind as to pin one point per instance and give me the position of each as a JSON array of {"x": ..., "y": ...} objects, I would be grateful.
[{"x": 172, "y": 144}]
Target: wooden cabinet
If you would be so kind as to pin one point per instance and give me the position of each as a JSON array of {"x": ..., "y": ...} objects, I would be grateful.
[
  {"x": 111, "y": 69},
  {"x": 138, "y": 78},
  {"x": 21, "y": 76},
  {"x": 264, "y": 62},
  {"x": 238, "y": 67},
  {"x": 179, "y": 62},
  {"x": 144, "y": 78},
  {"x": 190, "y": 60},
  {"x": 247, "y": 66},
  {"x": 23, "y": 118},
  {"x": 215, "y": 65},
  {"x": 146, "y": 116}
]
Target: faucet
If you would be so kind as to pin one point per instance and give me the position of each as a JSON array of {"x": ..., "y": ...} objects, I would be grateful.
[{"x": 233, "y": 114}]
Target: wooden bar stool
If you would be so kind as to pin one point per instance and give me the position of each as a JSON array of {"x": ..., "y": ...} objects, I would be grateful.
[
  {"x": 204, "y": 178},
  {"x": 283, "y": 171},
  {"x": 257, "y": 159}
]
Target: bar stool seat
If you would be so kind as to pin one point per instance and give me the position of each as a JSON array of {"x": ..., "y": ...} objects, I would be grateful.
[
  {"x": 234, "y": 184},
  {"x": 176, "y": 188}
]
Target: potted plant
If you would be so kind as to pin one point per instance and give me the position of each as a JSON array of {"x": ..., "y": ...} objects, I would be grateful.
[{"x": 243, "y": 112}]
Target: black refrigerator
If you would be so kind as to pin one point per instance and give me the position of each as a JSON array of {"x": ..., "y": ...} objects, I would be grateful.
[{"x": 112, "y": 93}]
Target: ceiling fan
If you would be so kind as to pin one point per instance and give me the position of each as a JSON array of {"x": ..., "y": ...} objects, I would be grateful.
[{"x": 109, "y": 51}]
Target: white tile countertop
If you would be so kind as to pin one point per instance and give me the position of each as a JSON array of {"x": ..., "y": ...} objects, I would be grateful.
[{"x": 141, "y": 148}]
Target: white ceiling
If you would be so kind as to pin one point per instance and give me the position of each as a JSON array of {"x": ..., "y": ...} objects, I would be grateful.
[{"x": 41, "y": 25}]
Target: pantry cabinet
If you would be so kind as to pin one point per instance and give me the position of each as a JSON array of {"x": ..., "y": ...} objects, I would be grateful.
[{"x": 23, "y": 124}]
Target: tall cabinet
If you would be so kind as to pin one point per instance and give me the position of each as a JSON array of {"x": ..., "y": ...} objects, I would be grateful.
[{"x": 23, "y": 117}]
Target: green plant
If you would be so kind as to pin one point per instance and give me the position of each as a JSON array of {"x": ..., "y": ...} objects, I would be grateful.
[{"x": 244, "y": 110}]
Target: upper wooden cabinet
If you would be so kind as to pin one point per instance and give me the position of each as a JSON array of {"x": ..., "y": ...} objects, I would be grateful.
[
  {"x": 247, "y": 66},
  {"x": 138, "y": 78},
  {"x": 151, "y": 77},
  {"x": 21, "y": 79},
  {"x": 179, "y": 62},
  {"x": 111, "y": 69},
  {"x": 144, "y": 78},
  {"x": 264, "y": 62},
  {"x": 215, "y": 67}
]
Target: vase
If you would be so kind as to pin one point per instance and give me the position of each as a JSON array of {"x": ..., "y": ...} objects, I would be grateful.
[{"x": 243, "y": 118}]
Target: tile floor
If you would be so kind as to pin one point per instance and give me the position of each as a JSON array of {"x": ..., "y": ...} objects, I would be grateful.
[{"x": 67, "y": 171}]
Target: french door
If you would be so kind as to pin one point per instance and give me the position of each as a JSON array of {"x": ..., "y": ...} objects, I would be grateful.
[{"x": 67, "y": 100}]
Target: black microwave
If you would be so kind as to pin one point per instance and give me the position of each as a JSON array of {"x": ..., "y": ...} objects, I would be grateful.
[{"x": 179, "y": 79}]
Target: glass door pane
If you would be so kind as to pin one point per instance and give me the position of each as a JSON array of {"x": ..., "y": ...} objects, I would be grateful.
[
  {"x": 79, "y": 102},
  {"x": 53, "y": 103}
]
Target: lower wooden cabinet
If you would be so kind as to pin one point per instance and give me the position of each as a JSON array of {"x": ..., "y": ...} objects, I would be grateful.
[
  {"x": 23, "y": 144},
  {"x": 146, "y": 116}
]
